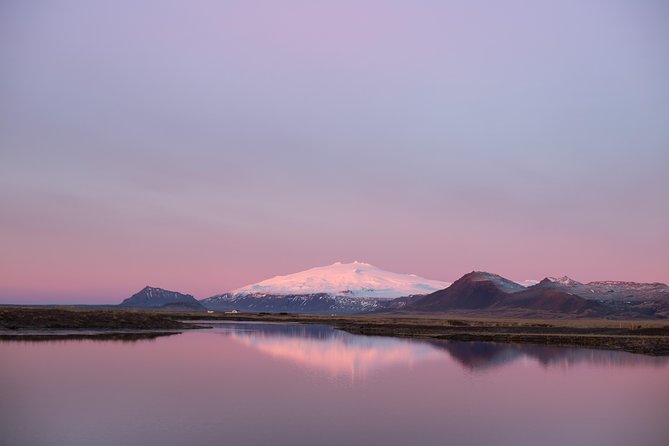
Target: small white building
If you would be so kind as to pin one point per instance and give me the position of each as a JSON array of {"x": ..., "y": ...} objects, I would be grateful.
[{"x": 232, "y": 312}]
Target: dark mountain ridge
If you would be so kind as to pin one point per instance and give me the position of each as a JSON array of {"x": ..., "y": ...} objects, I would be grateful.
[
  {"x": 485, "y": 291},
  {"x": 475, "y": 290},
  {"x": 151, "y": 297},
  {"x": 316, "y": 303}
]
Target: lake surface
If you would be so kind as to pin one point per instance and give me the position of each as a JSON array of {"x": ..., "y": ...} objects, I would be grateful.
[{"x": 277, "y": 384}]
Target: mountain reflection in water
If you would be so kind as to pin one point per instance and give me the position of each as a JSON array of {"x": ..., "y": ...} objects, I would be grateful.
[
  {"x": 340, "y": 353},
  {"x": 333, "y": 351}
]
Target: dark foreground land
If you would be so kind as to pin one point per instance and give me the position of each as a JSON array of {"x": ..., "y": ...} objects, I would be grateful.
[
  {"x": 17, "y": 319},
  {"x": 643, "y": 336}
]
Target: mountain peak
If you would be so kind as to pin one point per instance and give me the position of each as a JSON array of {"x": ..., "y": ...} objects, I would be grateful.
[
  {"x": 500, "y": 282},
  {"x": 478, "y": 289},
  {"x": 564, "y": 280},
  {"x": 157, "y": 297},
  {"x": 356, "y": 279}
]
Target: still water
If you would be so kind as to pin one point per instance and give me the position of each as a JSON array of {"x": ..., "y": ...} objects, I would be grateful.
[{"x": 276, "y": 384}]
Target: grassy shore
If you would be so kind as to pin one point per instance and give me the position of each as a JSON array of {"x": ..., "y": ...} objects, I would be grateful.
[
  {"x": 649, "y": 337},
  {"x": 101, "y": 336},
  {"x": 17, "y": 319}
]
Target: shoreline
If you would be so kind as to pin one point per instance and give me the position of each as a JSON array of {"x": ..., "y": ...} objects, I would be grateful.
[
  {"x": 630, "y": 336},
  {"x": 634, "y": 336},
  {"x": 72, "y": 335}
]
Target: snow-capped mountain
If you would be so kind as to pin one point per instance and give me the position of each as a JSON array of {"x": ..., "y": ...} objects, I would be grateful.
[
  {"x": 629, "y": 290},
  {"x": 608, "y": 290},
  {"x": 647, "y": 298},
  {"x": 564, "y": 280},
  {"x": 564, "y": 284},
  {"x": 356, "y": 279},
  {"x": 338, "y": 288}
]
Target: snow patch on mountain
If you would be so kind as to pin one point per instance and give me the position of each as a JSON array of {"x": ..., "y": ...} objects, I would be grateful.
[
  {"x": 500, "y": 282},
  {"x": 356, "y": 279},
  {"x": 564, "y": 280}
]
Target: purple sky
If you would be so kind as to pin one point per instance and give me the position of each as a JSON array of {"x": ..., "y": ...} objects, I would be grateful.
[{"x": 204, "y": 145}]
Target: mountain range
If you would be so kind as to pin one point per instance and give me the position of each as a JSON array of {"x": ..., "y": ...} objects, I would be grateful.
[
  {"x": 485, "y": 291},
  {"x": 357, "y": 287}
]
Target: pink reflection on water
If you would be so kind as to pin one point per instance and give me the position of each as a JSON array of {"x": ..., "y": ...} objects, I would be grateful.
[
  {"x": 243, "y": 385},
  {"x": 337, "y": 357}
]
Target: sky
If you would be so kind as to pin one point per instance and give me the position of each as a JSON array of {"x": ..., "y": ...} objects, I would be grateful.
[{"x": 204, "y": 145}]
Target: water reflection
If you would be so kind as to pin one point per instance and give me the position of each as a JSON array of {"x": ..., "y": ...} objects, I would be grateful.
[
  {"x": 341, "y": 353},
  {"x": 253, "y": 384},
  {"x": 329, "y": 350},
  {"x": 486, "y": 355}
]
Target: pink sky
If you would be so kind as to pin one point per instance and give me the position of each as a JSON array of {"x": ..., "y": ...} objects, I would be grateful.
[{"x": 201, "y": 147}]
